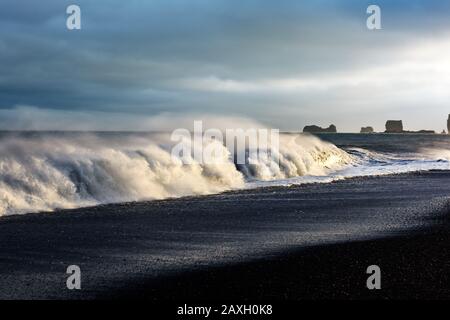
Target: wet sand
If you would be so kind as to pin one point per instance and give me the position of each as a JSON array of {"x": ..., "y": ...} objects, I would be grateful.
[{"x": 285, "y": 243}]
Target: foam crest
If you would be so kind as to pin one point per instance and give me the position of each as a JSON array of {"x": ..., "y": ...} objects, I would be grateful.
[{"x": 49, "y": 171}]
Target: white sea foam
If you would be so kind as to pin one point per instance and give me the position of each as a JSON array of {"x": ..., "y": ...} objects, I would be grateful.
[
  {"x": 47, "y": 172},
  {"x": 371, "y": 163}
]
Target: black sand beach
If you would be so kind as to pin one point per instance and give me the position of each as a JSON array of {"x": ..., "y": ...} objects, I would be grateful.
[{"x": 284, "y": 243}]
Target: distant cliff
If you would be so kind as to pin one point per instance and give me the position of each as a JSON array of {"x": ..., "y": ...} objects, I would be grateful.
[
  {"x": 366, "y": 130},
  {"x": 448, "y": 124},
  {"x": 422, "y": 131},
  {"x": 317, "y": 129},
  {"x": 394, "y": 126}
]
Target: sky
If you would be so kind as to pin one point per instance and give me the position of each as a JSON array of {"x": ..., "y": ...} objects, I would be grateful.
[{"x": 287, "y": 63}]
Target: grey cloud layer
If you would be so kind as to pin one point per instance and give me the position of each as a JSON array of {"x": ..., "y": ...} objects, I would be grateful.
[{"x": 224, "y": 57}]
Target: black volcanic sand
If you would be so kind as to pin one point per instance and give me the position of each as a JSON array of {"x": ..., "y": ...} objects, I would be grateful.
[{"x": 285, "y": 243}]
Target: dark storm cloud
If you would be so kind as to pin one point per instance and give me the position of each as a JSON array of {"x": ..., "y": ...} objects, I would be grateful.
[{"x": 225, "y": 57}]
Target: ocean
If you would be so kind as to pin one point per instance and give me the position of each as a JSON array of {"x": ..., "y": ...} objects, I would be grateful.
[
  {"x": 274, "y": 234},
  {"x": 45, "y": 171}
]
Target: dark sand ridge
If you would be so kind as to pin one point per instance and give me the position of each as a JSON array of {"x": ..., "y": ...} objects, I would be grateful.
[{"x": 309, "y": 241}]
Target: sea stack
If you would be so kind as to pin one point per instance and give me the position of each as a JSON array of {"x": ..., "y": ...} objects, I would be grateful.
[
  {"x": 394, "y": 126},
  {"x": 366, "y": 130},
  {"x": 317, "y": 129},
  {"x": 448, "y": 124}
]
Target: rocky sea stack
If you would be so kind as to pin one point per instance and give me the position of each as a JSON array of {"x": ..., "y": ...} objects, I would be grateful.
[
  {"x": 394, "y": 126},
  {"x": 317, "y": 129},
  {"x": 366, "y": 130}
]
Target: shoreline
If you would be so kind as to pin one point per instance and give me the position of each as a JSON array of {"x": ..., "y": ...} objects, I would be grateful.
[
  {"x": 267, "y": 187},
  {"x": 127, "y": 250}
]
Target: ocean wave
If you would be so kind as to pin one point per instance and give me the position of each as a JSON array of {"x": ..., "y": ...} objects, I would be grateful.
[
  {"x": 46, "y": 172},
  {"x": 364, "y": 162}
]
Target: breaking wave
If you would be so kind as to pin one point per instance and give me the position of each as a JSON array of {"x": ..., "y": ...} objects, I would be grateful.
[{"x": 42, "y": 172}]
